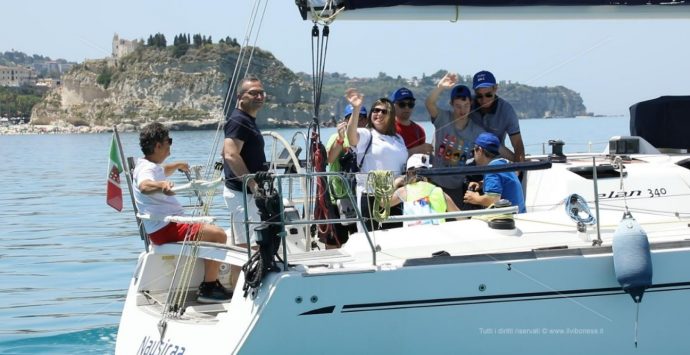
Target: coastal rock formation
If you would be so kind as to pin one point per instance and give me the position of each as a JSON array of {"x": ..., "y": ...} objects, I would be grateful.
[
  {"x": 153, "y": 85},
  {"x": 188, "y": 91}
]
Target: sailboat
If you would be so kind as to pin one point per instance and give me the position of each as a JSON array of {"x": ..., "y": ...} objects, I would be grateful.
[{"x": 598, "y": 264}]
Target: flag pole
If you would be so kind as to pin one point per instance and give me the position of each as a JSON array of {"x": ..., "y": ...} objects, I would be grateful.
[{"x": 130, "y": 184}]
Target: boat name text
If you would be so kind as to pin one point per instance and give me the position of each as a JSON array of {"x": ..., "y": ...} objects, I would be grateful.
[
  {"x": 651, "y": 192},
  {"x": 159, "y": 347}
]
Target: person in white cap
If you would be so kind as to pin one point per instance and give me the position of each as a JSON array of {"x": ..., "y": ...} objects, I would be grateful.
[{"x": 420, "y": 197}]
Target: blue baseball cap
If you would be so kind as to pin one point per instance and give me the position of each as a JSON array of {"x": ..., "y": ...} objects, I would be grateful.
[
  {"x": 402, "y": 94},
  {"x": 483, "y": 79},
  {"x": 488, "y": 141},
  {"x": 460, "y": 91},
  {"x": 348, "y": 110}
]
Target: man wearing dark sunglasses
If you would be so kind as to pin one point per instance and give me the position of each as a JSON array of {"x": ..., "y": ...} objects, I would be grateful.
[
  {"x": 412, "y": 133},
  {"x": 495, "y": 114}
]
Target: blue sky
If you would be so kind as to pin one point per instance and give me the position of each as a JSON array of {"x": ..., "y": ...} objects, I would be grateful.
[{"x": 612, "y": 63}]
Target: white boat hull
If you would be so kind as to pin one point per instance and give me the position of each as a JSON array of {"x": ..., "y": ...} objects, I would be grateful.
[{"x": 549, "y": 302}]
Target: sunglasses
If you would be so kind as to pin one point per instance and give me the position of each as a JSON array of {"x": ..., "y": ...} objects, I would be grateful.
[
  {"x": 255, "y": 93},
  {"x": 361, "y": 116},
  {"x": 170, "y": 141},
  {"x": 487, "y": 95},
  {"x": 380, "y": 110},
  {"x": 405, "y": 104}
]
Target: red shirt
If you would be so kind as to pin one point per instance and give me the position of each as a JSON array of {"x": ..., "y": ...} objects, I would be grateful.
[{"x": 413, "y": 134}]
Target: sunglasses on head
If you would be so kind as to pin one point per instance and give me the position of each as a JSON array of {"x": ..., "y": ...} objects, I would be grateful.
[
  {"x": 379, "y": 110},
  {"x": 405, "y": 104},
  {"x": 487, "y": 95}
]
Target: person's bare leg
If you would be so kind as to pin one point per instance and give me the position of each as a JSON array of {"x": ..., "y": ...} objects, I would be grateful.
[{"x": 211, "y": 233}]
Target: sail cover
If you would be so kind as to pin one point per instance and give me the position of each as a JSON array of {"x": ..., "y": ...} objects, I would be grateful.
[
  {"x": 454, "y": 10},
  {"x": 664, "y": 122}
]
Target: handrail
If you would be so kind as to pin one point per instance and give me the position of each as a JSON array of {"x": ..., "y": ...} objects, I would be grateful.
[
  {"x": 304, "y": 220},
  {"x": 397, "y": 219},
  {"x": 456, "y": 214},
  {"x": 485, "y": 169},
  {"x": 307, "y": 220}
]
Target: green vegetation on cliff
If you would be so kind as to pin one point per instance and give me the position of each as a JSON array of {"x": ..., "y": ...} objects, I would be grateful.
[
  {"x": 18, "y": 102},
  {"x": 528, "y": 101},
  {"x": 188, "y": 81}
]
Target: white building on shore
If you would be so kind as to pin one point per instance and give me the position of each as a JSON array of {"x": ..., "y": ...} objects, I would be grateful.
[{"x": 16, "y": 76}]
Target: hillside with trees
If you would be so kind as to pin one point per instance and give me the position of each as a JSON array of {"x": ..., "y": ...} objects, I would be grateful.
[{"x": 187, "y": 81}]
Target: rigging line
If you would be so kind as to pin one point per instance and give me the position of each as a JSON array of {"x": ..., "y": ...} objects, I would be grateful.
[
  {"x": 324, "y": 50},
  {"x": 230, "y": 94},
  {"x": 314, "y": 65},
  {"x": 571, "y": 59},
  {"x": 555, "y": 67},
  {"x": 256, "y": 38},
  {"x": 314, "y": 37},
  {"x": 177, "y": 297},
  {"x": 172, "y": 302},
  {"x": 618, "y": 161}
]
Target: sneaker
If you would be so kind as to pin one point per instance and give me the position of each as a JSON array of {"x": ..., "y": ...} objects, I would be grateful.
[
  {"x": 213, "y": 292},
  {"x": 227, "y": 291}
]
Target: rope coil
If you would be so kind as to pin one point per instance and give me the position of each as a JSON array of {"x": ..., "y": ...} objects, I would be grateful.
[
  {"x": 381, "y": 183},
  {"x": 575, "y": 205}
]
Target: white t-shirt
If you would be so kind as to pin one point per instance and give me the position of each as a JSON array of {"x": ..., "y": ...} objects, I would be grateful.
[
  {"x": 386, "y": 153},
  {"x": 156, "y": 204}
]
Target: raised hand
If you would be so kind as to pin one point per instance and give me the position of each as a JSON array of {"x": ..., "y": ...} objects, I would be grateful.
[
  {"x": 342, "y": 127},
  {"x": 448, "y": 81},
  {"x": 354, "y": 97}
]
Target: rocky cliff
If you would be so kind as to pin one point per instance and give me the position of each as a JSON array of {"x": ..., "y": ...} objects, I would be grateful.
[
  {"x": 188, "y": 91},
  {"x": 153, "y": 84}
]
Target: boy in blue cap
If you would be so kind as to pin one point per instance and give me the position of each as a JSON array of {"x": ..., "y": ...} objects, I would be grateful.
[
  {"x": 496, "y": 186},
  {"x": 495, "y": 114},
  {"x": 454, "y": 135},
  {"x": 412, "y": 133}
]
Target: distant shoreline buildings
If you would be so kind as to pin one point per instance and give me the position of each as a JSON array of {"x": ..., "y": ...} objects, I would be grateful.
[{"x": 16, "y": 76}]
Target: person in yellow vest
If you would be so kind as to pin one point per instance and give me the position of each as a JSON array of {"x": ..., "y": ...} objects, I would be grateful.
[{"x": 420, "y": 197}]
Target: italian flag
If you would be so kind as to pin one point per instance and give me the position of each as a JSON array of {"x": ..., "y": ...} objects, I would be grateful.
[{"x": 114, "y": 193}]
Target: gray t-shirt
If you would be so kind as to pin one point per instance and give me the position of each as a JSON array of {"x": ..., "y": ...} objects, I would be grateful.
[
  {"x": 452, "y": 147},
  {"x": 500, "y": 121}
]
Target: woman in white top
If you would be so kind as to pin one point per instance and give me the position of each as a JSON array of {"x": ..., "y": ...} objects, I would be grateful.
[{"x": 378, "y": 147}]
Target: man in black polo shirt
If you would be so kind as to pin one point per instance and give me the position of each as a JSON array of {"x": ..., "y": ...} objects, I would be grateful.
[{"x": 243, "y": 153}]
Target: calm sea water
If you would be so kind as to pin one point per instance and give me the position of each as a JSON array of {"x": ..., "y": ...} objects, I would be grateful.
[{"x": 66, "y": 257}]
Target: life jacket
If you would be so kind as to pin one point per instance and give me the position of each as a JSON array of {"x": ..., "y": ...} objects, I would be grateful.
[{"x": 422, "y": 199}]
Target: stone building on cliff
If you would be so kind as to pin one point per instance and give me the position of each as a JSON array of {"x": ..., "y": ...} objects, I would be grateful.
[{"x": 122, "y": 47}]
